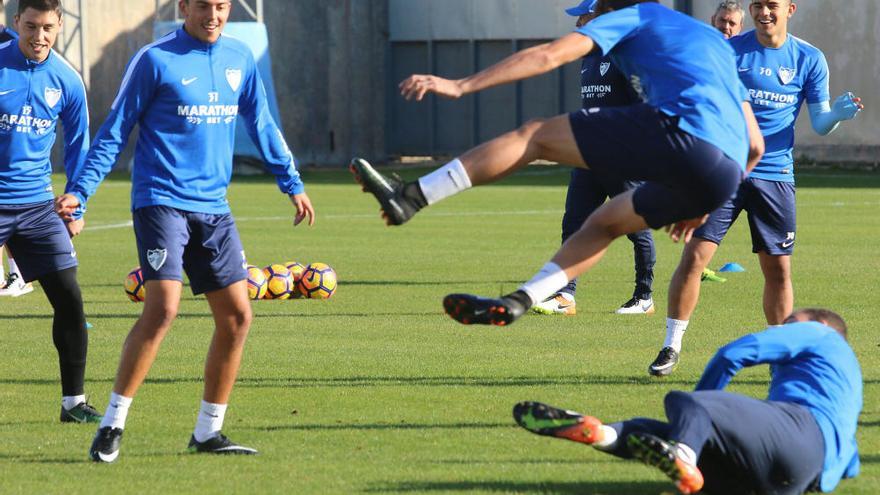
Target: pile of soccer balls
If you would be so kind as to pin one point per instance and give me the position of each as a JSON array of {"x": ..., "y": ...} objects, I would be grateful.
[{"x": 291, "y": 280}]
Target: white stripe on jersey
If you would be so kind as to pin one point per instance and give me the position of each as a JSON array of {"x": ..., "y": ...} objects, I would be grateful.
[
  {"x": 79, "y": 78},
  {"x": 4, "y": 45},
  {"x": 134, "y": 61}
]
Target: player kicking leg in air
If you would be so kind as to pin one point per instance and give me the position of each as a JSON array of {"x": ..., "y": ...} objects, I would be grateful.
[
  {"x": 182, "y": 220},
  {"x": 40, "y": 89},
  {"x": 780, "y": 72},
  {"x": 691, "y": 142},
  {"x": 802, "y": 438}
]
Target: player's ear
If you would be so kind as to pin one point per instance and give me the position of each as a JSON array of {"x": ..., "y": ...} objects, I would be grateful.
[{"x": 792, "y": 8}]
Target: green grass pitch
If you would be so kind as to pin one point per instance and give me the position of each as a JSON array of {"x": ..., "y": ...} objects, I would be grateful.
[{"x": 376, "y": 390}]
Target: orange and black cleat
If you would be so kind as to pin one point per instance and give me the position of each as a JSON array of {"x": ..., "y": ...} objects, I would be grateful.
[
  {"x": 542, "y": 419},
  {"x": 666, "y": 457},
  {"x": 474, "y": 310}
]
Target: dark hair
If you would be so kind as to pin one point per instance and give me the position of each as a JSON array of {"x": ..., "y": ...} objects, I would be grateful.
[
  {"x": 825, "y": 316},
  {"x": 605, "y": 6},
  {"x": 40, "y": 5}
]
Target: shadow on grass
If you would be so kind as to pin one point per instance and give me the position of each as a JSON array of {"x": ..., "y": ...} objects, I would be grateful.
[
  {"x": 560, "y": 487},
  {"x": 342, "y": 426},
  {"x": 869, "y": 458}
]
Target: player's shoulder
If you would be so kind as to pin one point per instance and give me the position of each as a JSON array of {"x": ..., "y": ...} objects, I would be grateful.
[
  {"x": 743, "y": 40},
  {"x": 67, "y": 73},
  {"x": 235, "y": 46},
  {"x": 805, "y": 48},
  {"x": 164, "y": 47}
]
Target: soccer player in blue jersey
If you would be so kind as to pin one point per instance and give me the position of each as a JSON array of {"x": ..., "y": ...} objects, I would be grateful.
[
  {"x": 801, "y": 438},
  {"x": 781, "y": 72},
  {"x": 185, "y": 91},
  {"x": 602, "y": 85},
  {"x": 39, "y": 89},
  {"x": 692, "y": 140}
]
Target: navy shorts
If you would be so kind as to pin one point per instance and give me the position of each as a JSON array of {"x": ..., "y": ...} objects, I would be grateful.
[
  {"x": 37, "y": 239},
  {"x": 771, "y": 213},
  {"x": 207, "y": 247},
  {"x": 685, "y": 177}
]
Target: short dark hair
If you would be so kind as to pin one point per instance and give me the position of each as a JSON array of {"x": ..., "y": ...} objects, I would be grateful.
[
  {"x": 40, "y": 5},
  {"x": 825, "y": 316},
  {"x": 605, "y": 6}
]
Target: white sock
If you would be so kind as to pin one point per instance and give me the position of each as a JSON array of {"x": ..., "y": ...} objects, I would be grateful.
[
  {"x": 609, "y": 438},
  {"x": 446, "y": 181},
  {"x": 117, "y": 411},
  {"x": 68, "y": 402},
  {"x": 674, "y": 333},
  {"x": 545, "y": 283},
  {"x": 13, "y": 267},
  {"x": 686, "y": 454},
  {"x": 210, "y": 421}
]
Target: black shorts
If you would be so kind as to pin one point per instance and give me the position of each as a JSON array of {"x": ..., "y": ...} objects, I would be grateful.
[{"x": 685, "y": 177}]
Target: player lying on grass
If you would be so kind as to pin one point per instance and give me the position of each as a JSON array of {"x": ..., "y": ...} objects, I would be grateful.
[
  {"x": 39, "y": 90},
  {"x": 781, "y": 72},
  {"x": 602, "y": 85},
  {"x": 801, "y": 438},
  {"x": 691, "y": 141},
  {"x": 186, "y": 91}
]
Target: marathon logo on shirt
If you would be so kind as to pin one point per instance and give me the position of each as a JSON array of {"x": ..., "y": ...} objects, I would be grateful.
[
  {"x": 597, "y": 91},
  {"x": 771, "y": 99},
  {"x": 209, "y": 114},
  {"x": 25, "y": 122}
]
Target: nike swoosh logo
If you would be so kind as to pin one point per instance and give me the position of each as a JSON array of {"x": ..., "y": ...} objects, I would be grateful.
[
  {"x": 786, "y": 245},
  {"x": 187, "y": 82},
  {"x": 585, "y": 70},
  {"x": 7, "y": 92},
  {"x": 745, "y": 69},
  {"x": 108, "y": 457}
]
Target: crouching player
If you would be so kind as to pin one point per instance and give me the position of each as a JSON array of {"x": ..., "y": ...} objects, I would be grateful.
[
  {"x": 186, "y": 91},
  {"x": 801, "y": 438}
]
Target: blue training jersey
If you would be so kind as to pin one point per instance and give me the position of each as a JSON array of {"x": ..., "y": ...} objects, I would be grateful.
[
  {"x": 602, "y": 85},
  {"x": 7, "y": 34},
  {"x": 680, "y": 66},
  {"x": 34, "y": 97},
  {"x": 812, "y": 365},
  {"x": 186, "y": 95},
  {"x": 779, "y": 80}
]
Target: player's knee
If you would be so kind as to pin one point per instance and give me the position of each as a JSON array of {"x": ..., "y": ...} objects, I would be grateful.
[
  {"x": 158, "y": 317},
  {"x": 776, "y": 273}
]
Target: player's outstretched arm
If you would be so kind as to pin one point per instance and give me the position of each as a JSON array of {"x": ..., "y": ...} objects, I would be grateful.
[
  {"x": 756, "y": 139},
  {"x": 521, "y": 65},
  {"x": 825, "y": 117},
  {"x": 304, "y": 209}
]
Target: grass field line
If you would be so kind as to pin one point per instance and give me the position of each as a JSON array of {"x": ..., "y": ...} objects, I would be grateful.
[{"x": 111, "y": 226}]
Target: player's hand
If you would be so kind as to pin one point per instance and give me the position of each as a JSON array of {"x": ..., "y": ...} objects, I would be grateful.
[
  {"x": 847, "y": 105},
  {"x": 65, "y": 206},
  {"x": 75, "y": 227},
  {"x": 304, "y": 209},
  {"x": 417, "y": 86},
  {"x": 684, "y": 230}
]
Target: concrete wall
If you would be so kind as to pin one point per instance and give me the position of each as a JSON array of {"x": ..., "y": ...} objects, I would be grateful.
[
  {"x": 331, "y": 64},
  {"x": 328, "y": 62}
]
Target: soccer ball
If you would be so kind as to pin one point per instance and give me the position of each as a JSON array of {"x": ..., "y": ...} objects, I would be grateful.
[
  {"x": 318, "y": 281},
  {"x": 296, "y": 271},
  {"x": 256, "y": 283},
  {"x": 134, "y": 285},
  {"x": 279, "y": 282}
]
